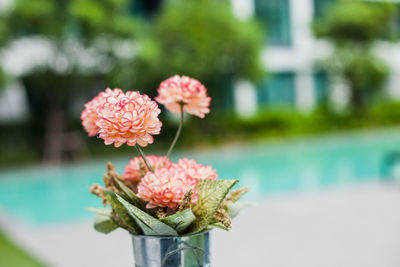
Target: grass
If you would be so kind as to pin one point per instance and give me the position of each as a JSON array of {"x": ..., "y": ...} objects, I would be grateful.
[{"x": 12, "y": 255}]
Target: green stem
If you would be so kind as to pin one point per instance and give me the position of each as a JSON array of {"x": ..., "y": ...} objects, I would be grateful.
[
  {"x": 146, "y": 162},
  {"x": 178, "y": 133}
]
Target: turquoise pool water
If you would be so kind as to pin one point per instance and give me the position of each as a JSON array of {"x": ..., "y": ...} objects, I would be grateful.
[{"x": 43, "y": 195}]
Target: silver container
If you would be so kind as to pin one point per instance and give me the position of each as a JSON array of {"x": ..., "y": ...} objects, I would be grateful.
[{"x": 180, "y": 251}]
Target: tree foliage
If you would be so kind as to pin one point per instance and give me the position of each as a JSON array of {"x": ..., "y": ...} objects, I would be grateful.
[
  {"x": 365, "y": 73},
  {"x": 59, "y": 19},
  {"x": 99, "y": 43},
  {"x": 352, "y": 21},
  {"x": 82, "y": 36},
  {"x": 202, "y": 39},
  {"x": 353, "y": 27}
]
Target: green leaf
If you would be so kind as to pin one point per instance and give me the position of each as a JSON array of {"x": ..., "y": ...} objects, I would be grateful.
[
  {"x": 104, "y": 223},
  {"x": 180, "y": 221},
  {"x": 134, "y": 199},
  {"x": 148, "y": 224},
  {"x": 211, "y": 194},
  {"x": 122, "y": 213}
]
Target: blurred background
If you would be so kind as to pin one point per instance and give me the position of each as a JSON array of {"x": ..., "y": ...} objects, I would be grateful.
[{"x": 305, "y": 110}]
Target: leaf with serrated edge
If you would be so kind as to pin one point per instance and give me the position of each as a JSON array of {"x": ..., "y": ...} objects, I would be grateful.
[
  {"x": 211, "y": 194},
  {"x": 121, "y": 212},
  {"x": 180, "y": 221},
  {"x": 104, "y": 223},
  {"x": 148, "y": 224},
  {"x": 134, "y": 199}
]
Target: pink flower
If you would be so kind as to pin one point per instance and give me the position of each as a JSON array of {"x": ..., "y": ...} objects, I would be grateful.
[
  {"x": 166, "y": 187},
  {"x": 177, "y": 91},
  {"x": 89, "y": 115},
  {"x": 136, "y": 168},
  {"x": 128, "y": 118},
  {"x": 168, "y": 184},
  {"x": 197, "y": 171}
]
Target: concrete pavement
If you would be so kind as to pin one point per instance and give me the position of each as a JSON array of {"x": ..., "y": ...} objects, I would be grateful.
[{"x": 356, "y": 226}]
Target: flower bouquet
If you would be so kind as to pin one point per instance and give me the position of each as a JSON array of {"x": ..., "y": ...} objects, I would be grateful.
[{"x": 167, "y": 207}]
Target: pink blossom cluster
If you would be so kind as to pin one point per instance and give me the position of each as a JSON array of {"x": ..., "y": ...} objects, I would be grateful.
[
  {"x": 167, "y": 186},
  {"x": 197, "y": 171},
  {"x": 89, "y": 115},
  {"x": 128, "y": 118},
  {"x": 131, "y": 118},
  {"x": 136, "y": 169},
  {"x": 177, "y": 91},
  {"x": 119, "y": 118}
]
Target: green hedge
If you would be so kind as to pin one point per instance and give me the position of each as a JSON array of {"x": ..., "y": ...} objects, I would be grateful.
[{"x": 20, "y": 142}]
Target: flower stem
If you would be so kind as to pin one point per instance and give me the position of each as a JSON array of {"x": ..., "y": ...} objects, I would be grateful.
[
  {"x": 146, "y": 162},
  {"x": 178, "y": 133}
]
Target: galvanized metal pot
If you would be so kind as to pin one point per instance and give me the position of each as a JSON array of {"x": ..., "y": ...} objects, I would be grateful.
[{"x": 180, "y": 251}]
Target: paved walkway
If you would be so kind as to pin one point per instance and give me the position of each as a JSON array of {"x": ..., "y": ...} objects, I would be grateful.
[{"x": 353, "y": 227}]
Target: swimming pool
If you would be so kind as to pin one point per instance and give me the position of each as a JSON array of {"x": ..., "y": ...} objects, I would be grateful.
[{"x": 40, "y": 196}]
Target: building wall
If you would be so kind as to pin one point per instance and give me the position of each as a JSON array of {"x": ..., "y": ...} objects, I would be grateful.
[
  {"x": 298, "y": 56},
  {"x": 289, "y": 56}
]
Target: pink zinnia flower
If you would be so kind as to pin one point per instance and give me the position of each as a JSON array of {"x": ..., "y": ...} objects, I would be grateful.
[
  {"x": 197, "y": 171},
  {"x": 190, "y": 93},
  {"x": 89, "y": 115},
  {"x": 136, "y": 168},
  {"x": 128, "y": 118},
  {"x": 168, "y": 184},
  {"x": 166, "y": 187}
]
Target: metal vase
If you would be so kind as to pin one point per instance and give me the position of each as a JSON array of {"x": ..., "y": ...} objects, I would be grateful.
[{"x": 180, "y": 251}]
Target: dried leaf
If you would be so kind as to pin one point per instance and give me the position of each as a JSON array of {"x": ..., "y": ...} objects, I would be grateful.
[{"x": 211, "y": 194}]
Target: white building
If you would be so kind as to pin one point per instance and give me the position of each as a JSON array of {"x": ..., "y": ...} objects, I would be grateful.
[{"x": 290, "y": 55}]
